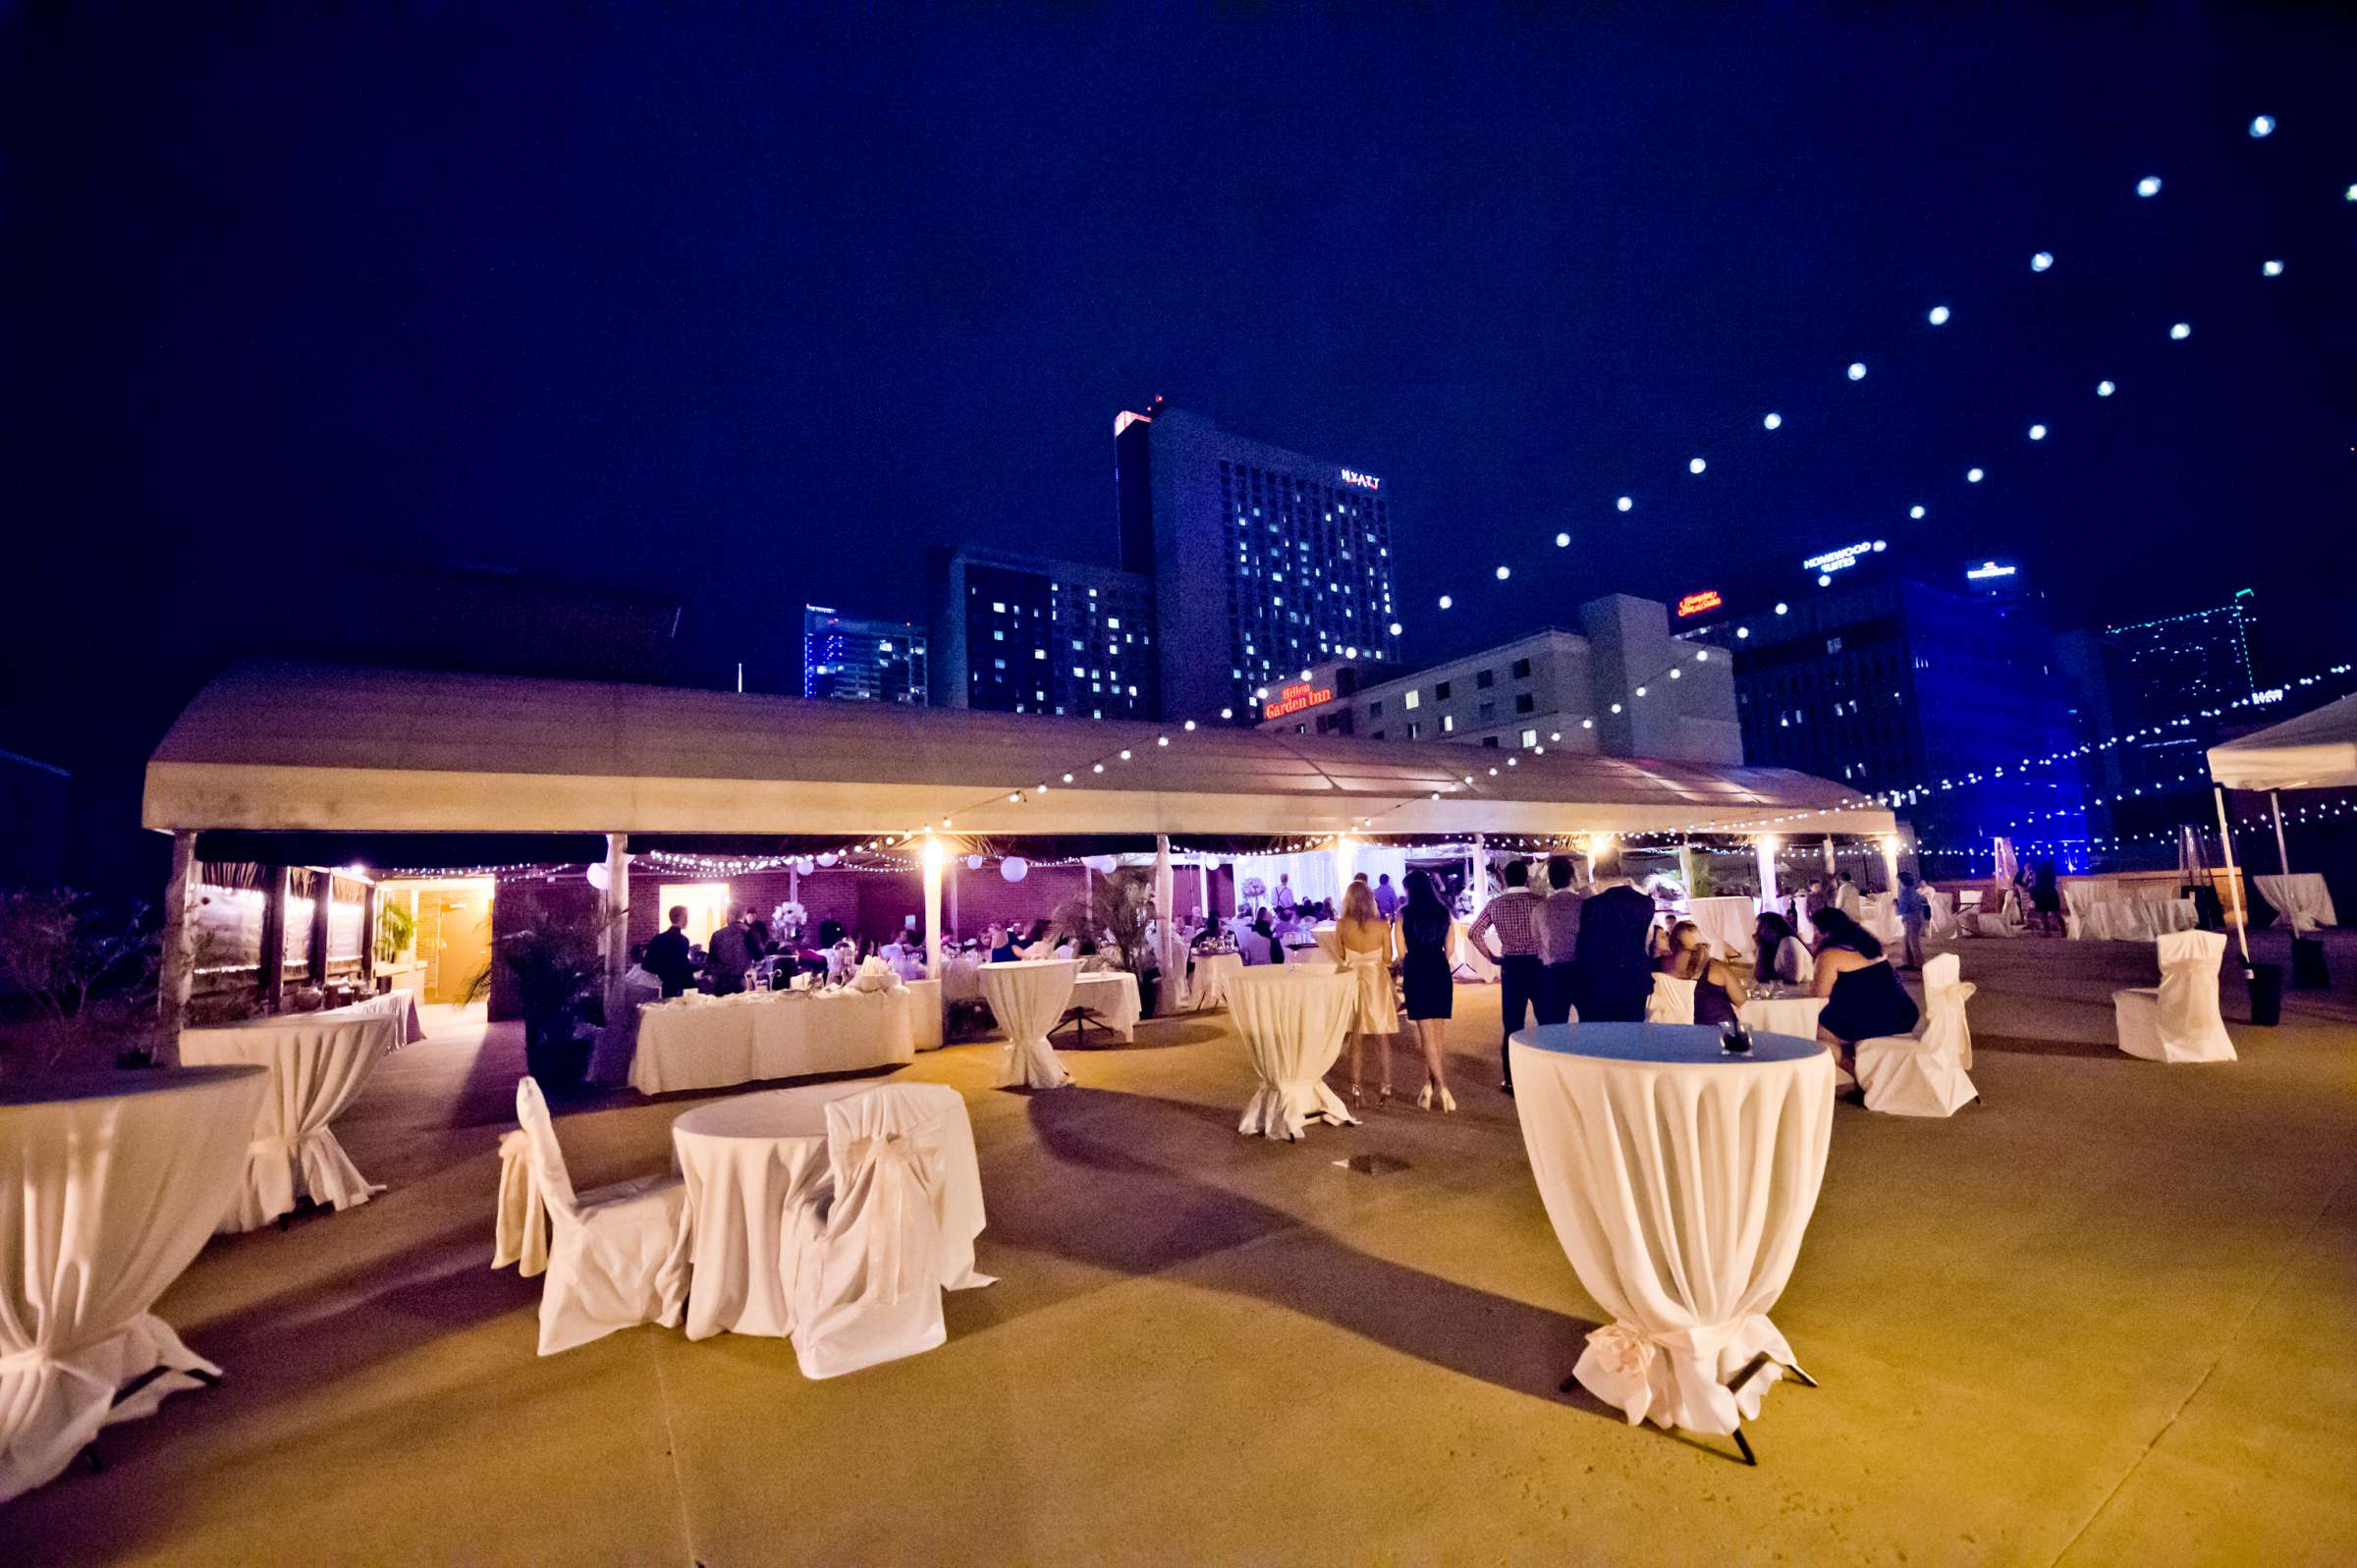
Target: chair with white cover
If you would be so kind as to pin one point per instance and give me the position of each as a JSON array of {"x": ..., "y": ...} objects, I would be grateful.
[
  {"x": 616, "y": 1257},
  {"x": 897, "y": 1228},
  {"x": 2178, "y": 1020},
  {"x": 1924, "y": 1074},
  {"x": 1672, "y": 1002}
]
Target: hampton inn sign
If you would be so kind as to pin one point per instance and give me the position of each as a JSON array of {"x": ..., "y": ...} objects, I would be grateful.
[{"x": 1292, "y": 699}]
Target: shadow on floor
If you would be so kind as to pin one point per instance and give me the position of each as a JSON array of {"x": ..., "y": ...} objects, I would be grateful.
[{"x": 1149, "y": 1218}]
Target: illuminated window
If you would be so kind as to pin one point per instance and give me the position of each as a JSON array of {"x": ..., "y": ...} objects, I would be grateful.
[{"x": 1447, "y": 724}]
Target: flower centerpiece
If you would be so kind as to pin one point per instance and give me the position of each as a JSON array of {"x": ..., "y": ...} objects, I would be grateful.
[{"x": 788, "y": 918}]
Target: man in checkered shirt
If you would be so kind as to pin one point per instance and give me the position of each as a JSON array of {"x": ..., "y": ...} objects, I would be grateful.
[{"x": 1514, "y": 916}]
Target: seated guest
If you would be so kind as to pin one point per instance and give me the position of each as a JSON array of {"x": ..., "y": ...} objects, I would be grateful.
[
  {"x": 1002, "y": 944},
  {"x": 1038, "y": 945},
  {"x": 669, "y": 957},
  {"x": 1717, "y": 989},
  {"x": 1781, "y": 955},
  {"x": 1259, "y": 945},
  {"x": 1612, "y": 978},
  {"x": 1864, "y": 1000}
]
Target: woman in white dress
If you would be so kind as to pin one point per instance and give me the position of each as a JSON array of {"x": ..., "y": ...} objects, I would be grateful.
[{"x": 1367, "y": 944}]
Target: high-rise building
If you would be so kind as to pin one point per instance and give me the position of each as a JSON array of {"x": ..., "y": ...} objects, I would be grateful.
[
  {"x": 2150, "y": 697},
  {"x": 1262, "y": 561},
  {"x": 1621, "y": 686},
  {"x": 1018, "y": 634},
  {"x": 1933, "y": 693},
  {"x": 848, "y": 660}
]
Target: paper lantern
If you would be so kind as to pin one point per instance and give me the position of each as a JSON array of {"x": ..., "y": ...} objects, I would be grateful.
[
  {"x": 1014, "y": 868},
  {"x": 1100, "y": 864},
  {"x": 974, "y": 862},
  {"x": 826, "y": 860},
  {"x": 598, "y": 877}
]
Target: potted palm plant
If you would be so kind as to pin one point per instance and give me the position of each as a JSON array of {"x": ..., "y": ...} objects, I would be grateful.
[
  {"x": 1114, "y": 909},
  {"x": 556, "y": 964}
]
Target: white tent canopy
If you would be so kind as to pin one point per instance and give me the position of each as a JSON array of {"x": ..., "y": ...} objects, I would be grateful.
[
  {"x": 2318, "y": 750},
  {"x": 279, "y": 748}
]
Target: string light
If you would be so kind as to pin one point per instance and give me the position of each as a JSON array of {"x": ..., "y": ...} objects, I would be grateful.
[
  {"x": 2042, "y": 261},
  {"x": 2271, "y": 269},
  {"x": 2104, "y": 389},
  {"x": 1916, "y": 512},
  {"x": 1774, "y": 421},
  {"x": 2149, "y": 186},
  {"x": 1625, "y": 502},
  {"x": 1696, "y": 465},
  {"x": 2180, "y": 332},
  {"x": 2036, "y": 432},
  {"x": 1857, "y": 370},
  {"x": 2263, "y": 126},
  {"x": 1938, "y": 316}
]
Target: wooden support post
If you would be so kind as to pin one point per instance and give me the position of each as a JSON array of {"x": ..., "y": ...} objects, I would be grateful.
[
  {"x": 371, "y": 906},
  {"x": 177, "y": 976},
  {"x": 323, "y": 906},
  {"x": 273, "y": 958},
  {"x": 617, "y": 906}
]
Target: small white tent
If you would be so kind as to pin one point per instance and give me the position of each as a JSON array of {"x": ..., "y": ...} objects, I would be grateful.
[{"x": 2316, "y": 750}]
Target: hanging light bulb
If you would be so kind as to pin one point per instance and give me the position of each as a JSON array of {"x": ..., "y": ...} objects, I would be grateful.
[
  {"x": 1938, "y": 317},
  {"x": 2271, "y": 269},
  {"x": 1625, "y": 502},
  {"x": 1562, "y": 540},
  {"x": 1772, "y": 421},
  {"x": 2041, "y": 260},
  {"x": 2263, "y": 126},
  {"x": 1504, "y": 572},
  {"x": 1915, "y": 513},
  {"x": 1696, "y": 465},
  {"x": 2149, "y": 186},
  {"x": 1857, "y": 370},
  {"x": 2036, "y": 432},
  {"x": 2104, "y": 389},
  {"x": 1446, "y": 601},
  {"x": 1974, "y": 476},
  {"x": 2180, "y": 332}
]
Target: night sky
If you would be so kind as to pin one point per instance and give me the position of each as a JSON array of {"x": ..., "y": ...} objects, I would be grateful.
[{"x": 753, "y": 312}]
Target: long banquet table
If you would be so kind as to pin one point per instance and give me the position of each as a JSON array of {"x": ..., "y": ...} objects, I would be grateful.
[
  {"x": 2095, "y": 912},
  {"x": 700, "y": 1042},
  {"x": 110, "y": 1183},
  {"x": 1679, "y": 1180}
]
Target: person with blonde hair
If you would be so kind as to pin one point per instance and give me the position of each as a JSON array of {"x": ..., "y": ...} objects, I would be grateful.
[
  {"x": 1366, "y": 942},
  {"x": 1719, "y": 991}
]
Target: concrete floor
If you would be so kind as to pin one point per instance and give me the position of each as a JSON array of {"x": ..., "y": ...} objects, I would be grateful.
[{"x": 2108, "y": 1317}]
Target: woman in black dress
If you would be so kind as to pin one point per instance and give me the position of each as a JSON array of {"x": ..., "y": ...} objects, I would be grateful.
[
  {"x": 1425, "y": 977},
  {"x": 1864, "y": 1000}
]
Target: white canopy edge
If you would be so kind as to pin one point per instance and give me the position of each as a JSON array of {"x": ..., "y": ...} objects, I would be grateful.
[
  {"x": 2316, "y": 750},
  {"x": 276, "y": 747}
]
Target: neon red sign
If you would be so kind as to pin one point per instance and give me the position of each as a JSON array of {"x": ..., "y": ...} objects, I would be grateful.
[
  {"x": 1292, "y": 699},
  {"x": 1695, "y": 603}
]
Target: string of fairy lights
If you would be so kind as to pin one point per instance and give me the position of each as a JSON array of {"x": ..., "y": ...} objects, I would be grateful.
[{"x": 1938, "y": 317}]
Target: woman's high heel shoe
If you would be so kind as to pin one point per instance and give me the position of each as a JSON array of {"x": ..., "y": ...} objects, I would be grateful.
[
  {"x": 1447, "y": 1099},
  {"x": 1424, "y": 1098},
  {"x": 1383, "y": 1095},
  {"x": 1359, "y": 1098}
]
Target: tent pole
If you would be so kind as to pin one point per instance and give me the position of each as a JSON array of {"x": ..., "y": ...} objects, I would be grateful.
[
  {"x": 2226, "y": 845},
  {"x": 179, "y": 947},
  {"x": 932, "y": 858},
  {"x": 618, "y": 924},
  {"x": 2274, "y": 800},
  {"x": 1481, "y": 872}
]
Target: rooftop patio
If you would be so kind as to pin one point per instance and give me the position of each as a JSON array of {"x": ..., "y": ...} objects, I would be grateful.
[{"x": 2108, "y": 1316}]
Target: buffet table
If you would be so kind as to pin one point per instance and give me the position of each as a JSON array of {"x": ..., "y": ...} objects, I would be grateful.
[{"x": 697, "y": 1042}]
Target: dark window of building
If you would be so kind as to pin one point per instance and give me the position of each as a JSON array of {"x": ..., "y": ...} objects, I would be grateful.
[
  {"x": 1525, "y": 702},
  {"x": 1414, "y": 729},
  {"x": 1491, "y": 742},
  {"x": 1379, "y": 735},
  {"x": 1521, "y": 669},
  {"x": 1375, "y": 710},
  {"x": 1489, "y": 710},
  {"x": 1482, "y": 679},
  {"x": 1440, "y": 692}
]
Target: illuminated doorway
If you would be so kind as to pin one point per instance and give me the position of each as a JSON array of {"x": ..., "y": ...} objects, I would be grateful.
[{"x": 707, "y": 905}]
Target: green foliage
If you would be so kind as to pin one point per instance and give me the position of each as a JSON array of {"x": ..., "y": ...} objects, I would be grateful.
[
  {"x": 1115, "y": 906},
  {"x": 396, "y": 929}
]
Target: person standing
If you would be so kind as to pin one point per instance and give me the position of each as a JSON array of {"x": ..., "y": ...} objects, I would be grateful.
[
  {"x": 1387, "y": 898},
  {"x": 1914, "y": 912},
  {"x": 1425, "y": 978},
  {"x": 1368, "y": 950},
  {"x": 667, "y": 956},
  {"x": 1514, "y": 916},
  {"x": 1846, "y": 896},
  {"x": 1559, "y": 940},
  {"x": 1611, "y": 976},
  {"x": 728, "y": 954},
  {"x": 1283, "y": 898}
]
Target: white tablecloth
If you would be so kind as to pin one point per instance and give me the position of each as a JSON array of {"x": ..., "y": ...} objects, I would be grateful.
[
  {"x": 1879, "y": 915},
  {"x": 1293, "y": 1019},
  {"x": 318, "y": 1063},
  {"x": 1111, "y": 997},
  {"x": 752, "y": 1163},
  {"x": 1942, "y": 923},
  {"x": 109, "y": 1185},
  {"x": 924, "y": 1014},
  {"x": 1679, "y": 1181},
  {"x": 961, "y": 978},
  {"x": 399, "y": 1006},
  {"x": 1028, "y": 999},
  {"x": 1215, "y": 979},
  {"x": 2301, "y": 900},
  {"x": 711, "y": 1041},
  {"x": 2097, "y": 913},
  {"x": 1466, "y": 958},
  {"x": 1726, "y": 924},
  {"x": 1782, "y": 1015}
]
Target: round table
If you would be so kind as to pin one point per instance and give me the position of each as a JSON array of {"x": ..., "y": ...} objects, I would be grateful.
[
  {"x": 110, "y": 1183},
  {"x": 1726, "y": 924},
  {"x": 1679, "y": 1180},
  {"x": 1028, "y": 997},
  {"x": 1214, "y": 978},
  {"x": 1294, "y": 1018},
  {"x": 749, "y": 1162},
  {"x": 318, "y": 1063},
  {"x": 1792, "y": 1015}
]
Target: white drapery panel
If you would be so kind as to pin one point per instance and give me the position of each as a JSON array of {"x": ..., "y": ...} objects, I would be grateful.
[
  {"x": 318, "y": 1064},
  {"x": 1680, "y": 1190},
  {"x": 109, "y": 1186},
  {"x": 1294, "y": 1018},
  {"x": 1926, "y": 1073},
  {"x": 1215, "y": 979},
  {"x": 1028, "y": 999},
  {"x": 2179, "y": 1020},
  {"x": 713, "y": 1042},
  {"x": 1726, "y": 924},
  {"x": 616, "y": 1257},
  {"x": 1312, "y": 877},
  {"x": 904, "y": 1208}
]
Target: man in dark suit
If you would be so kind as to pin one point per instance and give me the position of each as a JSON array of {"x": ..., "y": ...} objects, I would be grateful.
[
  {"x": 1612, "y": 978},
  {"x": 667, "y": 956}
]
